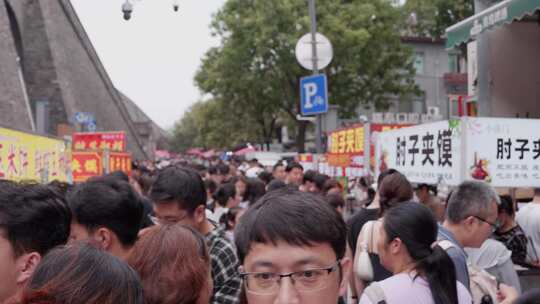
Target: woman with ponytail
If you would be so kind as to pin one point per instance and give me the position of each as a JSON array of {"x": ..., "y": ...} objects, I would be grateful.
[{"x": 422, "y": 271}]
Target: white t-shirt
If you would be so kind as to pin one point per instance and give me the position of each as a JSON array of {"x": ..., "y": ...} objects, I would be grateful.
[
  {"x": 528, "y": 218},
  {"x": 402, "y": 289}
]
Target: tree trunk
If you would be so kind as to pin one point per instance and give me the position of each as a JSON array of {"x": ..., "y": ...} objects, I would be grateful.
[{"x": 301, "y": 136}]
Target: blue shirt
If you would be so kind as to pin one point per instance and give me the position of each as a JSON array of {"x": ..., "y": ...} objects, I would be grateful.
[{"x": 458, "y": 256}]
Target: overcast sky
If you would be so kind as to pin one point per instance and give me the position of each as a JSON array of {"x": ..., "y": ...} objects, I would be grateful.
[{"x": 153, "y": 57}]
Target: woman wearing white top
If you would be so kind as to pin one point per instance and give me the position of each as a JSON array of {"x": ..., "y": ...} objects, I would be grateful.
[
  {"x": 423, "y": 272},
  {"x": 226, "y": 198}
]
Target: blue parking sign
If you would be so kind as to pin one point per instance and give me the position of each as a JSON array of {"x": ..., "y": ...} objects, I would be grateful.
[{"x": 313, "y": 95}]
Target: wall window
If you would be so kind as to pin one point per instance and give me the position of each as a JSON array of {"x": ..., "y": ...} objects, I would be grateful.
[{"x": 419, "y": 59}]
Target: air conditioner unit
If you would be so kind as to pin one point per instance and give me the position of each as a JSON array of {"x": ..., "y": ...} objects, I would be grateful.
[
  {"x": 434, "y": 111},
  {"x": 377, "y": 117},
  {"x": 389, "y": 118},
  {"x": 402, "y": 118},
  {"x": 414, "y": 118},
  {"x": 425, "y": 118}
]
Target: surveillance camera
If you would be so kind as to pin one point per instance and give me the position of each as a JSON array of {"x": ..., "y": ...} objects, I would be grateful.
[
  {"x": 176, "y": 7},
  {"x": 127, "y": 9}
]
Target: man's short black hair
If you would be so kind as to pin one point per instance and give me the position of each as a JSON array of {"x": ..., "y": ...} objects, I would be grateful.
[
  {"x": 320, "y": 180},
  {"x": 110, "y": 203},
  {"x": 223, "y": 169},
  {"x": 293, "y": 165},
  {"x": 181, "y": 185},
  {"x": 298, "y": 218},
  {"x": 33, "y": 217},
  {"x": 120, "y": 175},
  {"x": 265, "y": 176},
  {"x": 309, "y": 175},
  {"x": 278, "y": 164},
  {"x": 212, "y": 170}
]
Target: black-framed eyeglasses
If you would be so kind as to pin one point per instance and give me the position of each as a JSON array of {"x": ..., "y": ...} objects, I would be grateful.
[
  {"x": 268, "y": 283},
  {"x": 494, "y": 226}
]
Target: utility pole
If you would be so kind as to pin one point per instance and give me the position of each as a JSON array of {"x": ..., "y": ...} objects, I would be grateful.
[{"x": 315, "y": 58}]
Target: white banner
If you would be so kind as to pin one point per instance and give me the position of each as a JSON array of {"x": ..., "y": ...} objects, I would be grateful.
[
  {"x": 504, "y": 152},
  {"x": 427, "y": 153}
]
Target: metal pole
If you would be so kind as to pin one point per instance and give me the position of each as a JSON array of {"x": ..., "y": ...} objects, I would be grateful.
[{"x": 313, "y": 16}]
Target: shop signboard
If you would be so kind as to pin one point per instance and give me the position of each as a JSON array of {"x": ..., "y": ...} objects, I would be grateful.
[
  {"x": 120, "y": 162},
  {"x": 25, "y": 156},
  {"x": 112, "y": 141},
  {"x": 504, "y": 152},
  {"x": 86, "y": 164},
  {"x": 428, "y": 153},
  {"x": 347, "y": 149}
]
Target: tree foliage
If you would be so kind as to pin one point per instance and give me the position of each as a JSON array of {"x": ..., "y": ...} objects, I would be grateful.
[
  {"x": 209, "y": 124},
  {"x": 255, "y": 69},
  {"x": 432, "y": 17}
]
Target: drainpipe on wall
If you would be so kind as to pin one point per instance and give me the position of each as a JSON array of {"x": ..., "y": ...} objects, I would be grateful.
[{"x": 484, "y": 90}]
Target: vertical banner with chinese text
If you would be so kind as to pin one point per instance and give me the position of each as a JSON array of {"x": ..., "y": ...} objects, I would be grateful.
[
  {"x": 345, "y": 155},
  {"x": 120, "y": 162}
]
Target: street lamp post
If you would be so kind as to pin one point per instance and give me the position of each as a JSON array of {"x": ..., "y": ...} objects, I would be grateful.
[{"x": 313, "y": 17}]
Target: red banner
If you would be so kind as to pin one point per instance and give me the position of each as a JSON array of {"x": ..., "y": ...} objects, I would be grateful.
[
  {"x": 86, "y": 165},
  {"x": 120, "y": 162},
  {"x": 112, "y": 141}
]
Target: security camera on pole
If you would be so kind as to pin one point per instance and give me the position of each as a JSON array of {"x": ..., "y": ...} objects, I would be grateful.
[{"x": 314, "y": 52}]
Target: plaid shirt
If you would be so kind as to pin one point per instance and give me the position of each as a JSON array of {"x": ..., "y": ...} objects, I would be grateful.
[{"x": 227, "y": 281}]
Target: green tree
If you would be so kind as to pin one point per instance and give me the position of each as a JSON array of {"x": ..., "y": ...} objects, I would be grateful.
[
  {"x": 430, "y": 18},
  {"x": 210, "y": 124},
  {"x": 255, "y": 69}
]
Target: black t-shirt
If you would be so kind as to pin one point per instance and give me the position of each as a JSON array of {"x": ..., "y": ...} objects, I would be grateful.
[{"x": 357, "y": 221}]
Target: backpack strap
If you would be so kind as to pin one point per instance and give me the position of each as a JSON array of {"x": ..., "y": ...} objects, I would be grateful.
[{"x": 375, "y": 293}]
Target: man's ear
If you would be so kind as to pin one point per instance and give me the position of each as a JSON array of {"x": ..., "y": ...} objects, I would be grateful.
[
  {"x": 199, "y": 215},
  {"x": 104, "y": 237},
  {"x": 346, "y": 271},
  {"x": 27, "y": 264},
  {"x": 469, "y": 223}
]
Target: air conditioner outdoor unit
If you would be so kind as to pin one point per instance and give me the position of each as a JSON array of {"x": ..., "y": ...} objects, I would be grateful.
[{"x": 402, "y": 118}]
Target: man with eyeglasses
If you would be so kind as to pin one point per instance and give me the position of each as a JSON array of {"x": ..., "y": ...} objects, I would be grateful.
[
  {"x": 471, "y": 218},
  {"x": 179, "y": 196},
  {"x": 291, "y": 247}
]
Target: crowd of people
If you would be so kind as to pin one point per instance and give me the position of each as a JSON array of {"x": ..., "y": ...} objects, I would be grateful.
[{"x": 229, "y": 233}]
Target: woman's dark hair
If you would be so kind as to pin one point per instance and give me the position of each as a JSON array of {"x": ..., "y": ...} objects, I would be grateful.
[
  {"x": 384, "y": 174},
  {"x": 255, "y": 190},
  {"x": 81, "y": 273},
  {"x": 506, "y": 205},
  {"x": 395, "y": 188},
  {"x": 416, "y": 227},
  {"x": 329, "y": 184},
  {"x": 230, "y": 216},
  {"x": 530, "y": 297},
  {"x": 224, "y": 193},
  {"x": 335, "y": 200}
]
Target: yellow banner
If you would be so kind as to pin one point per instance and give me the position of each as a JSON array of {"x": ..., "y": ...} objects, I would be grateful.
[{"x": 26, "y": 156}]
